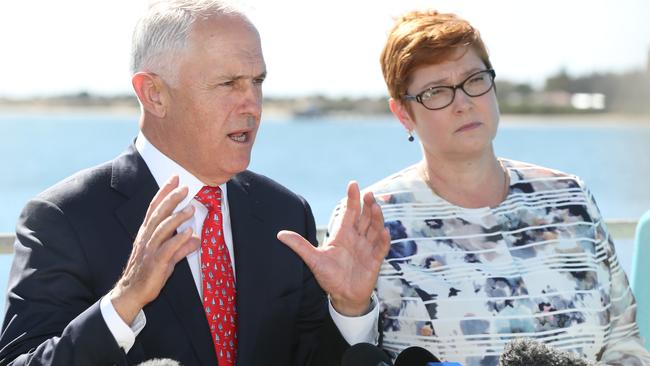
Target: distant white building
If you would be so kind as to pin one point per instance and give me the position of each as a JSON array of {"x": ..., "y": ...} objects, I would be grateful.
[{"x": 588, "y": 101}]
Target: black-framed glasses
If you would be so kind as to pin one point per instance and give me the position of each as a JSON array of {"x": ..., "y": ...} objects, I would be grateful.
[{"x": 439, "y": 97}]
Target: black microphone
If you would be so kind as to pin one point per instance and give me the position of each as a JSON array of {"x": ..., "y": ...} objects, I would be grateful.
[
  {"x": 528, "y": 352},
  {"x": 365, "y": 354},
  {"x": 415, "y": 356},
  {"x": 160, "y": 362}
]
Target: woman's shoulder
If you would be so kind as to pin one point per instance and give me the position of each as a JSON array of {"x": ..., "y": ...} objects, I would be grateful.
[
  {"x": 395, "y": 189},
  {"x": 533, "y": 170},
  {"x": 539, "y": 176},
  {"x": 398, "y": 180},
  {"x": 402, "y": 187}
]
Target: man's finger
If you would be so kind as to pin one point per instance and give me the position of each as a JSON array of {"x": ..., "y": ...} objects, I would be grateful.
[
  {"x": 167, "y": 205},
  {"x": 171, "y": 183},
  {"x": 170, "y": 246},
  {"x": 377, "y": 233},
  {"x": 190, "y": 245},
  {"x": 169, "y": 225},
  {"x": 377, "y": 215},
  {"x": 380, "y": 251},
  {"x": 300, "y": 245},
  {"x": 352, "y": 206},
  {"x": 161, "y": 212},
  {"x": 366, "y": 214}
]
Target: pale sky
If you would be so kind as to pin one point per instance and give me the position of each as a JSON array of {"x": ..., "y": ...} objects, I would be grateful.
[{"x": 329, "y": 47}]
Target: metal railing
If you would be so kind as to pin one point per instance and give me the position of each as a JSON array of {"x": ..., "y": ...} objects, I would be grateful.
[
  {"x": 6, "y": 243},
  {"x": 620, "y": 229}
]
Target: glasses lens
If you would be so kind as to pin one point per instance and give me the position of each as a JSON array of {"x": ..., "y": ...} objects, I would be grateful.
[
  {"x": 438, "y": 97},
  {"x": 441, "y": 96},
  {"x": 478, "y": 84}
]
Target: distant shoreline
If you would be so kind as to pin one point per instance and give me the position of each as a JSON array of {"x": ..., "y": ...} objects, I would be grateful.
[
  {"x": 67, "y": 109},
  {"x": 272, "y": 112},
  {"x": 605, "y": 119}
]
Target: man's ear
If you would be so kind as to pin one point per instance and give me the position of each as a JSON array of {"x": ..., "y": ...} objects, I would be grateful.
[
  {"x": 151, "y": 91},
  {"x": 402, "y": 114}
]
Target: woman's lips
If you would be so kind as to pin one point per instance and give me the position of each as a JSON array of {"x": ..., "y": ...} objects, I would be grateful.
[{"x": 468, "y": 126}]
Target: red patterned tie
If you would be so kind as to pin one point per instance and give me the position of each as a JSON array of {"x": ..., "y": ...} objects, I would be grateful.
[{"x": 219, "y": 295}]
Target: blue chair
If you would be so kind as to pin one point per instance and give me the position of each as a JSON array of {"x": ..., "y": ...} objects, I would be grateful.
[{"x": 640, "y": 279}]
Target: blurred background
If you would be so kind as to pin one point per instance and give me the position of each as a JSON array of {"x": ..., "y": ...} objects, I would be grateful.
[{"x": 573, "y": 85}]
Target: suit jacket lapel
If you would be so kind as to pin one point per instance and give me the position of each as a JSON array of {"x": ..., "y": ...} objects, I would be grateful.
[
  {"x": 250, "y": 262},
  {"x": 180, "y": 293},
  {"x": 133, "y": 179}
]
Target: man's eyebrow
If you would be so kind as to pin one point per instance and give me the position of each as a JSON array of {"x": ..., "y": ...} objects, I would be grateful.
[{"x": 240, "y": 77}]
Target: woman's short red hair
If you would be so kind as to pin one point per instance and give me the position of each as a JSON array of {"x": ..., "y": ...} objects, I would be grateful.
[{"x": 422, "y": 38}]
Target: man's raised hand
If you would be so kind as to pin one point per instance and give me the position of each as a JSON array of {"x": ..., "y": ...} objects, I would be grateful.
[
  {"x": 155, "y": 252},
  {"x": 347, "y": 265}
]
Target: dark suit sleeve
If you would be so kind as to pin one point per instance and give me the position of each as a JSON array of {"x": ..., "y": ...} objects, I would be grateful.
[
  {"x": 320, "y": 338},
  {"x": 53, "y": 315}
]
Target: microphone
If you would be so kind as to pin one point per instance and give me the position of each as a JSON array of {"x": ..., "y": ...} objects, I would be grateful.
[
  {"x": 529, "y": 352},
  {"x": 160, "y": 362},
  {"x": 415, "y": 356},
  {"x": 365, "y": 354},
  {"x": 418, "y": 356}
]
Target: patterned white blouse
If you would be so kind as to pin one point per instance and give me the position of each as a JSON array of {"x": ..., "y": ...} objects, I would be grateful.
[{"x": 464, "y": 282}]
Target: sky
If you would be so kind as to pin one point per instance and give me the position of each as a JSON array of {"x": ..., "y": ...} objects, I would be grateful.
[{"x": 328, "y": 47}]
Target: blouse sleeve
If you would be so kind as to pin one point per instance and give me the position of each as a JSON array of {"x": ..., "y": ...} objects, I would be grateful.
[{"x": 624, "y": 345}]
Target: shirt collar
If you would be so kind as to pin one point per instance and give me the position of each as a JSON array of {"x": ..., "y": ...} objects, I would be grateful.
[{"x": 162, "y": 168}]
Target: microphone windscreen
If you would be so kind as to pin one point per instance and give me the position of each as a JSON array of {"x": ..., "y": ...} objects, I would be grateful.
[
  {"x": 528, "y": 352},
  {"x": 415, "y": 356},
  {"x": 160, "y": 362},
  {"x": 365, "y": 354}
]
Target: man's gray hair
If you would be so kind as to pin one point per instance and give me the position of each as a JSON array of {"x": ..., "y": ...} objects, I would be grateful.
[{"x": 164, "y": 29}]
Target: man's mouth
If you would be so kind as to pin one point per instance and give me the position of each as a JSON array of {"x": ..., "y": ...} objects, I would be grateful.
[{"x": 239, "y": 136}]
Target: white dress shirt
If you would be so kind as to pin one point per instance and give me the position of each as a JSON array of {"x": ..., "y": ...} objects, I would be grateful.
[{"x": 353, "y": 329}]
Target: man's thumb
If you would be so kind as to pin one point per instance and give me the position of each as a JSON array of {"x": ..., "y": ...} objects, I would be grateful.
[{"x": 300, "y": 245}]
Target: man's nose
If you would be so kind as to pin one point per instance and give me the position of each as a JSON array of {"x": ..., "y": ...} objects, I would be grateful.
[{"x": 252, "y": 99}]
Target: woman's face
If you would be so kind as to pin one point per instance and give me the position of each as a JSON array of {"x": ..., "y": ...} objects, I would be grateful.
[{"x": 463, "y": 129}]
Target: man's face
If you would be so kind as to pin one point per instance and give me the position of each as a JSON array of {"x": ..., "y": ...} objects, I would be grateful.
[{"x": 215, "y": 103}]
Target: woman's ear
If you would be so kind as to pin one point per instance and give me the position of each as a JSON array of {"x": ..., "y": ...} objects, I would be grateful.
[
  {"x": 151, "y": 91},
  {"x": 402, "y": 114}
]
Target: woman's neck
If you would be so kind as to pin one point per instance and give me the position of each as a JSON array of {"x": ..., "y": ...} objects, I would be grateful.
[{"x": 466, "y": 182}]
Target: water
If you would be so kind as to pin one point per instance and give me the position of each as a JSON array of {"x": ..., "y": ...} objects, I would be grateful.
[{"x": 317, "y": 157}]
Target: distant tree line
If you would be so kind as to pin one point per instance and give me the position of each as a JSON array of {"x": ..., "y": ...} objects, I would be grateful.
[{"x": 626, "y": 93}]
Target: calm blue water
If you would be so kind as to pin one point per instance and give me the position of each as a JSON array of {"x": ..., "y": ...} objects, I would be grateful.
[{"x": 316, "y": 158}]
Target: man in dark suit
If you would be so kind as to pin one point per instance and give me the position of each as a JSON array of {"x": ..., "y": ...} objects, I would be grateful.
[{"x": 107, "y": 271}]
